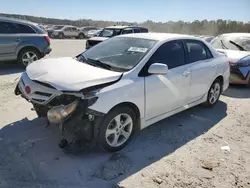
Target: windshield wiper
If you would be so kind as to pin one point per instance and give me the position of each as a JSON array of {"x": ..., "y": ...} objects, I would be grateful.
[
  {"x": 237, "y": 45},
  {"x": 98, "y": 63},
  {"x": 223, "y": 45}
]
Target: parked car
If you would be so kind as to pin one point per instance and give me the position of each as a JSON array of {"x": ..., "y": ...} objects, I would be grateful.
[
  {"x": 94, "y": 33},
  {"x": 112, "y": 31},
  {"x": 68, "y": 31},
  {"x": 125, "y": 84},
  {"x": 237, "y": 48},
  {"x": 22, "y": 41},
  {"x": 51, "y": 29},
  {"x": 86, "y": 29}
]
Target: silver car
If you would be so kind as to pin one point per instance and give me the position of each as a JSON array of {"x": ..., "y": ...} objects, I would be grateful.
[{"x": 22, "y": 41}]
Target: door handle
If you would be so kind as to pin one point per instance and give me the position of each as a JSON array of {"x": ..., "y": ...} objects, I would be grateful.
[
  {"x": 17, "y": 40},
  {"x": 186, "y": 74},
  {"x": 212, "y": 65}
]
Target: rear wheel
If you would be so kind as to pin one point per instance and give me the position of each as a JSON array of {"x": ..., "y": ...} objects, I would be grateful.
[
  {"x": 28, "y": 56},
  {"x": 60, "y": 35},
  {"x": 213, "y": 93},
  {"x": 81, "y": 36},
  {"x": 117, "y": 129}
]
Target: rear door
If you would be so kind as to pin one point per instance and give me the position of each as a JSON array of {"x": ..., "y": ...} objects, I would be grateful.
[
  {"x": 203, "y": 68},
  {"x": 74, "y": 32},
  {"x": 9, "y": 41}
]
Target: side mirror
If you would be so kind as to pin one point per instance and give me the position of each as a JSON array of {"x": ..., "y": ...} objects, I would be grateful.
[{"x": 158, "y": 68}]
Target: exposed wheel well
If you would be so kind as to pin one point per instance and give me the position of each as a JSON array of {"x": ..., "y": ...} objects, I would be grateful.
[{"x": 135, "y": 110}]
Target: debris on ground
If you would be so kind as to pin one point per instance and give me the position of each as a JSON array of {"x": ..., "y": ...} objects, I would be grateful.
[
  {"x": 116, "y": 165},
  {"x": 225, "y": 148},
  {"x": 158, "y": 180}
]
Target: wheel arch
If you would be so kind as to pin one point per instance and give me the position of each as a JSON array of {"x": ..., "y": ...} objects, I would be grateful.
[
  {"x": 135, "y": 109},
  {"x": 26, "y": 48},
  {"x": 220, "y": 77}
]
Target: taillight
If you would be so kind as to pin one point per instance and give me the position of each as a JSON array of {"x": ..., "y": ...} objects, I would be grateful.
[{"x": 47, "y": 38}]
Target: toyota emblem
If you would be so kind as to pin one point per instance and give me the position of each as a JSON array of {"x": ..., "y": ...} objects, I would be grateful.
[{"x": 27, "y": 90}]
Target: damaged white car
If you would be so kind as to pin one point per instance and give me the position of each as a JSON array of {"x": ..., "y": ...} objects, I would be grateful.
[{"x": 124, "y": 84}]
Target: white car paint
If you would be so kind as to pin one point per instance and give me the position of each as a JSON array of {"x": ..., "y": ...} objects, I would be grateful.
[
  {"x": 156, "y": 96},
  {"x": 98, "y": 38},
  {"x": 234, "y": 55},
  {"x": 68, "y": 74}
]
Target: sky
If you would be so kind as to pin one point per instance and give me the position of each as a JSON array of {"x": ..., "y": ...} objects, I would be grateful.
[{"x": 132, "y": 10}]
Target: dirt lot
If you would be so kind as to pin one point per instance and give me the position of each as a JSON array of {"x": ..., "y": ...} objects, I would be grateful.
[{"x": 196, "y": 148}]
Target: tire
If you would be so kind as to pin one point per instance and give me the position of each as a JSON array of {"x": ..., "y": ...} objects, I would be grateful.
[
  {"x": 81, "y": 36},
  {"x": 60, "y": 35},
  {"x": 214, "y": 92},
  {"x": 27, "y": 56},
  {"x": 107, "y": 143}
]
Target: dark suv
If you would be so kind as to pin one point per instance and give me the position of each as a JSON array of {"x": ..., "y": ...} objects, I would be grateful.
[
  {"x": 112, "y": 31},
  {"x": 22, "y": 41}
]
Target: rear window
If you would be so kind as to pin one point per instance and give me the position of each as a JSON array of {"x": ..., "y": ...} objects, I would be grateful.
[
  {"x": 24, "y": 29},
  {"x": 14, "y": 28}
]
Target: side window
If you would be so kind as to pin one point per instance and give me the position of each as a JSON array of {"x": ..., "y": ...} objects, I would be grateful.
[
  {"x": 127, "y": 31},
  {"x": 171, "y": 53},
  {"x": 137, "y": 30},
  {"x": 24, "y": 29},
  {"x": 197, "y": 51},
  {"x": 144, "y": 30},
  {"x": 66, "y": 29},
  {"x": 73, "y": 29},
  {"x": 7, "y": 28}
]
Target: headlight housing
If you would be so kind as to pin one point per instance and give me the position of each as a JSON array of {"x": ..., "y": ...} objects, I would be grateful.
[{"x": 57, "y": 114}]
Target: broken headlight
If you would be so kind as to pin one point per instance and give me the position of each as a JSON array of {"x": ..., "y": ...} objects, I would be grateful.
[{"x": 58, "y": 113}]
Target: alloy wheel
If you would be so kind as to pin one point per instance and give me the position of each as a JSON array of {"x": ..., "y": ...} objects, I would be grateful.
[
  {"x": 119, "y": 130},
  {"x": 214, "y": 93},
  {"x": 29, "y": 57}
]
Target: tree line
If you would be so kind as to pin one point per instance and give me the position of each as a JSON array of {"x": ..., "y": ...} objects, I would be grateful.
[{"x": 204, "y": 27}]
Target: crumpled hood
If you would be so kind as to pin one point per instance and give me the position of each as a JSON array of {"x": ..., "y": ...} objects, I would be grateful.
[
  {"x": 234, "y": 55},
  {"x": 68, "y": 74},
  {"x": 98, "y": 38}
]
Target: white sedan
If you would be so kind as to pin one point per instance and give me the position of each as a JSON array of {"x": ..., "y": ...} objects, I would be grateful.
[{"x": 125, "y": 84}]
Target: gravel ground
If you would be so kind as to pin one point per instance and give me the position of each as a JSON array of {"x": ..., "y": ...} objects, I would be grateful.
[{"x": 197, "y": 148}]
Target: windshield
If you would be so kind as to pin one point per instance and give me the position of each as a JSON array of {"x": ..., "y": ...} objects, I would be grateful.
[
  {"x": 227, "y": 42},
  {"x": 110, "y": 32},
  {"x": 119, "y": 53}
]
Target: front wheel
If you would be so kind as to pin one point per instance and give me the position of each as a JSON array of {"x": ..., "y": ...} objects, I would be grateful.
[
  {"x": 213, "y": 93},
  {"x": 117, "y": 129}
]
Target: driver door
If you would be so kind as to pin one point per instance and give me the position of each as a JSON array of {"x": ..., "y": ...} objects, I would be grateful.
[{"x": 165, "y": 93}]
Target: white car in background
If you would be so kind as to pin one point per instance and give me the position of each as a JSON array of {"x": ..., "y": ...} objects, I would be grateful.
[
  {"x": 236, "y": 46},
  {"x": 94, "y": 33},
  {"x": 125, "y": 84}
]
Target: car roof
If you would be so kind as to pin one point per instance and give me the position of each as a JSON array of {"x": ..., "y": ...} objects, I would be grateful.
[
  {"x": 14, "y": 20},
  {"x": 236, "y": 34},
  {"x": 159, "y": 36},
  {"x": 122, "y": 26}
]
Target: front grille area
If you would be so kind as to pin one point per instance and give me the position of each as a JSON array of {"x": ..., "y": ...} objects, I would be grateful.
[
  {"x": 41, "y": 93},
  {"x": 63, "y": 99}
]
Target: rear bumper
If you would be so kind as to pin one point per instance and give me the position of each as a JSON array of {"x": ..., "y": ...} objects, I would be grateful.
[
  {"x": 240, "y": 75},
  {"x": 46, "y": 51}
]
